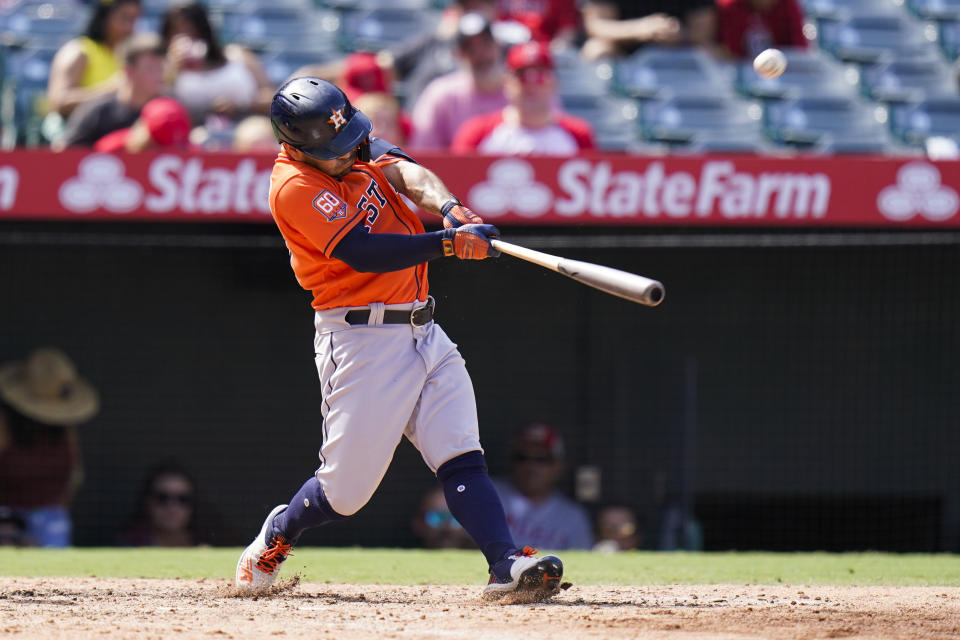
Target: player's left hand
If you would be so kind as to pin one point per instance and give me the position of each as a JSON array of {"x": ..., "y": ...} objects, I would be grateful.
[
  {"x": 471, "y": 242},
  {"x": 458, "y": 215}
]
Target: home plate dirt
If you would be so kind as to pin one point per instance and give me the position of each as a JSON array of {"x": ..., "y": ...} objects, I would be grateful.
[{"x": 185, "y": 609}]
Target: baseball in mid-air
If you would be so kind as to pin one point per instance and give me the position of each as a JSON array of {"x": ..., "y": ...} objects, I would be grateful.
[{"x": 770, "y": 63}]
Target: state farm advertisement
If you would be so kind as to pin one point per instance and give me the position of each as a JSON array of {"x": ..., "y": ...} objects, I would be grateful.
[{"x": 587, "y": 190}]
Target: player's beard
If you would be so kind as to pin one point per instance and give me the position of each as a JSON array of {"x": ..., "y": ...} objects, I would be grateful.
[{"x": 344, "y": 169}]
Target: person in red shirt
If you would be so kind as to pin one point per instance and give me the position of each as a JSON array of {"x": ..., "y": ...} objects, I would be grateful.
[
  {"x": 387, "y": 370},
  {"x": 530, "y": 124},
  {"x": 747, "y": 27},
  {"x": 363, "y": 75},
  {"x": 163, "y": 122}
]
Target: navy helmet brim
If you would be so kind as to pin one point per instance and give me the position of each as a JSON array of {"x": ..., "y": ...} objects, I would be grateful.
[{"x": 353, "y": 133}]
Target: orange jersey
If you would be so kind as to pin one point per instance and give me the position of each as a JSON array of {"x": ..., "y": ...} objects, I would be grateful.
[{"x": 315, "y": 211}]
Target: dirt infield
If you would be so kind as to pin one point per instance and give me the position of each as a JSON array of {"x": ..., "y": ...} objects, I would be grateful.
[{"x": 185, "y": 609}]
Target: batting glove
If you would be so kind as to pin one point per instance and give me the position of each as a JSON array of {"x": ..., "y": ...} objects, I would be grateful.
[
  {"x": 470, "y": 242},
  {"x": 455, "y": 215}
]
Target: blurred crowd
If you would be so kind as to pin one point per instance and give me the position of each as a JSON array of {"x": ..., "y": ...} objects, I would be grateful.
[{"x": 483, "y": 79}]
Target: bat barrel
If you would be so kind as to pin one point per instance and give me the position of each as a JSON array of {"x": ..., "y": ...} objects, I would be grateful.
[{"x": 623, "y": 284}]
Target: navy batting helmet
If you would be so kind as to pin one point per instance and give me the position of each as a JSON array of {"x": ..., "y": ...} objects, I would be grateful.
[{"x": 314, "y": 116}]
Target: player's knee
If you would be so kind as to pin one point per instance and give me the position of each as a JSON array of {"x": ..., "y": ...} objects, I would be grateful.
[
  {"x": 347, "y": 503},
  {"x": 471, "y": 461}
]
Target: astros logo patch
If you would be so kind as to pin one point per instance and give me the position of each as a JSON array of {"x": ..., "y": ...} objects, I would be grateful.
[
  {"x": 337, "y": 119},
  {"x": 332, "y": 207}
]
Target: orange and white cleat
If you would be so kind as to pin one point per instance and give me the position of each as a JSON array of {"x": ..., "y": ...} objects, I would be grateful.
[
  {"x": 522, "y": 572},
  {"x": 260, "y": 561}
]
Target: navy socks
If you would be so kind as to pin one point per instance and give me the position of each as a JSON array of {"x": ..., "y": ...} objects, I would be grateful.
[
  {"x": 474, "y": 502},
  {"x": 470, "y": 495},
  {"x": 307, "y": 509}
]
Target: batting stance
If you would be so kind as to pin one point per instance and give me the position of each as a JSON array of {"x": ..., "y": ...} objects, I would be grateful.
[{"x": 386, "y": 368}]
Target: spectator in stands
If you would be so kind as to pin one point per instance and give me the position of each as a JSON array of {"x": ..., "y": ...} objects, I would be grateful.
[
  {"x": 254, "y": 134},
  {"x": 747, "y": 27},
  {"x": 142, "y": 80},
  {"x": 388, "y": 120},
  {"x": 362, "y": 76},
  {"x": 85, "y": 67},
  {"x": 42, "y": 400},
  {"x": 419, "y": 62},
  {"x": 619, "y": 27},
  {"x": 536, "y": 511},
  {"x": 452, "y": 99},
  {"x": 163, "y": 122},
  {"x": 530, "y": 124},
  {"x": 13, "y": 529},
  {"x": 555, "y": 22},
  {"x": 362, "y": 73},
  {"x": 617, "y": 529},
  {"x": 435, "y": 526},
  {"x": 207, "y": 77},
  {"x": 166, "y": 511}
]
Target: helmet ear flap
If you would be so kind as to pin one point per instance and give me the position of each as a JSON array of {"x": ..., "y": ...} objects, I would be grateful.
[{"x": 363, "y": 151}]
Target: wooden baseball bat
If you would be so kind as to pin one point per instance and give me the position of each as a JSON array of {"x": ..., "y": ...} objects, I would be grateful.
[{"x": 613, "y": 281}]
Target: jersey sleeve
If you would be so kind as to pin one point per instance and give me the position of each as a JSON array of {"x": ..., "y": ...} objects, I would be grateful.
[
  {"x": 316, "y": 212},
  {"x": 383, "y": 152}
]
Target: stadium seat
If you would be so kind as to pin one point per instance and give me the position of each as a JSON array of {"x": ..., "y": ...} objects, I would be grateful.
[
  {"x": 856, "y": 145},
  {"x": 280, "y": 65},
  {"x": 41, "y": 24},
  {"x": 251, "y": 6},
  {"x": 873, "y": 37},
  {"x": 935, "y": 9},
  {"x": 806, "y": 121},
  {"x": 614, "y": 119},
  {"x": 809, "y": 72},
  {"x": 722, "y": 142},
  {"x": 24, "y": 95},
  {"x": 579, "y": 81},
  {"x": 383, "y": 4},
  {"x": 937, "y": 116},
  {"x": 680, "y": 118},
  {"x": 258, "y": 28},
  {"x": 907, "y": 80},
  {"x": 652, "y": 70},
  {"x": 845, "y": 8},
  {"x": 948, "y": 37},
  {"x": 384, "y": 28}
]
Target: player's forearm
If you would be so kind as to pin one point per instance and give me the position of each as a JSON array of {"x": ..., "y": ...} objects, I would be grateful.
[
  {"x": 421, "y": 185},
  {"x": 383, "y": 252}
]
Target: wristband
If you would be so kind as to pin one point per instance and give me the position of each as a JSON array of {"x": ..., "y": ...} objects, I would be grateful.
[
  {"x": 449, "y": 248},
  {"x": 449, "y": 204}
]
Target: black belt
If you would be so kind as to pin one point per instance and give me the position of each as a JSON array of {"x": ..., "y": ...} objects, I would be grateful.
[{"x": 416, "y": 317}]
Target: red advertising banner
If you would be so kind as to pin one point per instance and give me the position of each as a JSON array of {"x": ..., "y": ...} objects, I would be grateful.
[{"x": 587, "y": 190}]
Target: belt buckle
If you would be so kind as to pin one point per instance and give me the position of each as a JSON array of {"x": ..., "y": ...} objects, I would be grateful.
[{"x": 422, "y": 315}]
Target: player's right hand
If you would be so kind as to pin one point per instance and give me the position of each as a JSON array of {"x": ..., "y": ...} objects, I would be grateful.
[{"x": 471, "y": 241}]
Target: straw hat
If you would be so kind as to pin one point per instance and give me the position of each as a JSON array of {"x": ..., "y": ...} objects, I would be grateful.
[{"x": 47, "y": 389}]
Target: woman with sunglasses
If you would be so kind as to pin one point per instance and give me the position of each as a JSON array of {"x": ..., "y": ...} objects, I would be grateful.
[{"x": 166, "y": 514}]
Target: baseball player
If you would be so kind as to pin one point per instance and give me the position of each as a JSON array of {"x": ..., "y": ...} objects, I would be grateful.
[{"x": 386, "y": 369}]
